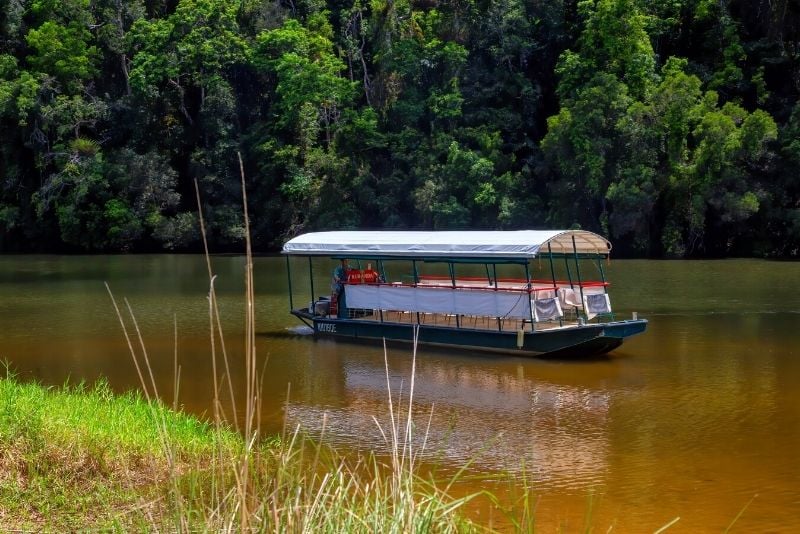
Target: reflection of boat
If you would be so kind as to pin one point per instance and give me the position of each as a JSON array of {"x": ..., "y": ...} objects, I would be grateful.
[
  {"x": 499, "y": 416},
  {"x": 509, "y": 308}
]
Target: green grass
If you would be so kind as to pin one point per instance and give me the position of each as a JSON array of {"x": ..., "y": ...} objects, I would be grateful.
[{"x": 78, "y": 457}]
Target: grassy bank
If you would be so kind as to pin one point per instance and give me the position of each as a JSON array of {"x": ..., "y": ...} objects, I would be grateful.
[{"x": 83, "y": 458}]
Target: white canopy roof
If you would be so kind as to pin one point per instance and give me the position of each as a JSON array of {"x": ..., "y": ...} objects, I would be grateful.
[{"x": 463, "y": 244}]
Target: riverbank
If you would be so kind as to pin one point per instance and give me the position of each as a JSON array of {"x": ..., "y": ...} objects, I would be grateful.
[{"x": 80, "y": 457}]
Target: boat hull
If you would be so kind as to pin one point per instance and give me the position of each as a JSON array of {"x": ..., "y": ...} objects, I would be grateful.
[{"x": 572, "y": 341}]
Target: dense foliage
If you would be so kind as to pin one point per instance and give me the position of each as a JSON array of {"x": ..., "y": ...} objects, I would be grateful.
[{"x": 673, "y": 126}]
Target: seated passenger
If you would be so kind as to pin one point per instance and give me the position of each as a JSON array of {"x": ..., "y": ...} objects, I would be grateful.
[
  {"x": 369, "y": 275},
  {"x": 354, "y": 276}
]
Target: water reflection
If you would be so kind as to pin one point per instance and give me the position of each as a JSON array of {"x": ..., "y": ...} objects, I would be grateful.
[
  {"x": 691, "y": 419},
  {"x": 501, "y": 417}
]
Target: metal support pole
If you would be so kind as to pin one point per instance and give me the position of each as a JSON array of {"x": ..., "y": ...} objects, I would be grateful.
[
  {"x": 494, "y": 273},
  {"x": 381, "y": 270},
  {"x": 289, "y": 276},
  {"x": 553, "y": 274},
  {"x": 602, "y": 272},
  {"x": 381, "y": 276},
  {"x": 569, "y": 277},
  {"x": 452, "y": 269},
  {"x": 530, "y": 292},
  {"x": 416, "y": 278},
  {"x": 311, "y": 277},
  {"x": 569, "y": 274},
  {"x": 578, "y": 271}
]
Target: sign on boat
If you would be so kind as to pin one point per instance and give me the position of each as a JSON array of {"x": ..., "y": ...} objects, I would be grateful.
[{"x": 414, "y": 281}]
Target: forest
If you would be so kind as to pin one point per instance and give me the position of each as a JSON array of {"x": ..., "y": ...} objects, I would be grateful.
[{"x": 670, "y": 126}]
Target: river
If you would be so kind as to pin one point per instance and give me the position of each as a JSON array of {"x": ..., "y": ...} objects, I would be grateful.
[{"x": 698, "y": 418}]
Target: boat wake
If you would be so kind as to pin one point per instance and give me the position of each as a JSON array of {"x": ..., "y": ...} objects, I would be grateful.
[
  {"x": 301, "y": 330},
  {"x": 287, "y": 333}
]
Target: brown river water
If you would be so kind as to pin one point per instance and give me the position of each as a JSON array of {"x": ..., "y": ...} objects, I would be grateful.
[{"x": 697, "y": 419}]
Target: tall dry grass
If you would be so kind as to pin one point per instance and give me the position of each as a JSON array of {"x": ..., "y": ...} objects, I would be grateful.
[{"x": 291, "y": 483}]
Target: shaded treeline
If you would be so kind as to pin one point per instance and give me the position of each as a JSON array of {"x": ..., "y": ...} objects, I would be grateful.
[{"x": 672, "y": 127}]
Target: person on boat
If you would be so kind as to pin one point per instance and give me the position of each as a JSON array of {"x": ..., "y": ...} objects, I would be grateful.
[
  {"x": 340, "y": 274},
  {"x": 370, "y": 276}
]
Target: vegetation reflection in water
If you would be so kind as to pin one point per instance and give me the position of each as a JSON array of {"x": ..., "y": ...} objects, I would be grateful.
[{"x": 691, "y": 420}]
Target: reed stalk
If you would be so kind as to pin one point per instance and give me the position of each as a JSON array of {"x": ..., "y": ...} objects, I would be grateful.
[{"x": 284, "y": 486}]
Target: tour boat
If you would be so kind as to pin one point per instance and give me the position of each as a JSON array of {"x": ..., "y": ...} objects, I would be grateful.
[{"x": 525, "y": 292}]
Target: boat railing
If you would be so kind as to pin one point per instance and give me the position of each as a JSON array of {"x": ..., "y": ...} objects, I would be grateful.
[
  {"x": 504, "y": 283},
  {"x": 474, "y": 300},
  {"x": 564, "y": 299}
]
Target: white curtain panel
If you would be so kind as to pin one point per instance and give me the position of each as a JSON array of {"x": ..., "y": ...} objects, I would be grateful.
[
  {"x": 596, "y": 304},
  {"x": 546, "y": 309},
  {"x": 481, "y": 302}
]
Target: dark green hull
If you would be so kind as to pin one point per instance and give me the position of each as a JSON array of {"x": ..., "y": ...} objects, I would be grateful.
[{"x": 574, "y": 341}]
